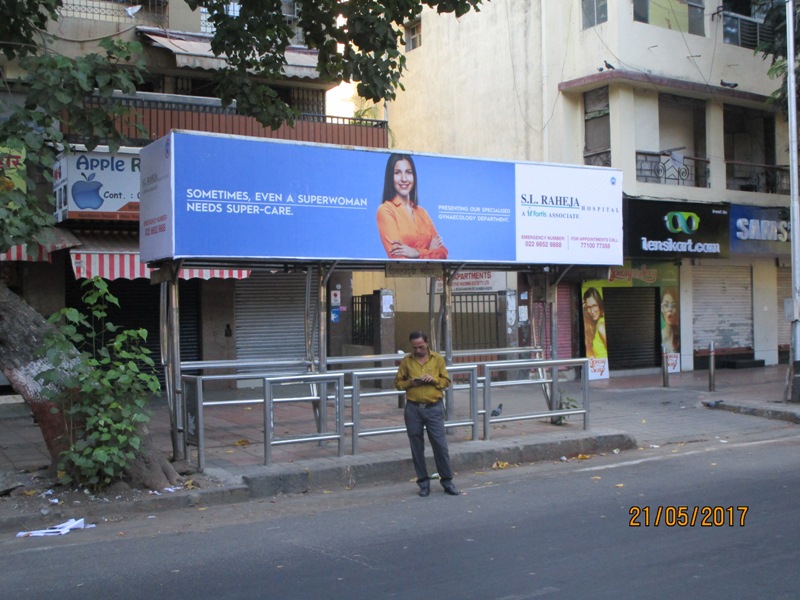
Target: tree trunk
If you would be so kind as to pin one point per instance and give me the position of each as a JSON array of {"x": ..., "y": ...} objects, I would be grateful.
[{"x": 22, "y": 330}]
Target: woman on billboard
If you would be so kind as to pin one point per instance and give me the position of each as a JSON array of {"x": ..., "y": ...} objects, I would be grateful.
[
  {"x": 594, "y": 324},
  {"x": 406, "y": 229}
]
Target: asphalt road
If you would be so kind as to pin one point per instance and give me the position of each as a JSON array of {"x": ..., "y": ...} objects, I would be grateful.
[{"x": 560, "y": 530}]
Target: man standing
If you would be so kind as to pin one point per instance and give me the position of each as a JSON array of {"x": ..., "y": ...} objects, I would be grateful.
[{"x": 423, "y": 376}]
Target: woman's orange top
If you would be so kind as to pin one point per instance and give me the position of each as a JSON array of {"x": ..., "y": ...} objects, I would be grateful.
[{"x": 395, "y": 223}]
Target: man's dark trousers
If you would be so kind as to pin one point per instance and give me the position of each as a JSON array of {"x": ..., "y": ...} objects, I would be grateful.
[{"x": 417, "y": 418}]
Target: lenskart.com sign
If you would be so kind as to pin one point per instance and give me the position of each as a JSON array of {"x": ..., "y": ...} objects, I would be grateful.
[
  {"x": 210, "y": 196},
  {"x": 676, "y": 229}
]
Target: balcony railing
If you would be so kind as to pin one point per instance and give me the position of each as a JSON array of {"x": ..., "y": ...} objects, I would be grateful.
[
  {"x": 601, "y": 158},
  {"x": 668, "y": 169},
  {"x": 752, "y": 177},
  {"x": 157, "y": 114},
  {"x": 745, "y": 31},
  {"x": 150, "y": 12}
]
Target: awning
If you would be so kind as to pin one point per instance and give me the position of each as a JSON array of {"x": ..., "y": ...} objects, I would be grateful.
[
  {"x": 195, "y": 53},
  {"x": 52, "y": 239},
  {"x": 115, "y": 255}
]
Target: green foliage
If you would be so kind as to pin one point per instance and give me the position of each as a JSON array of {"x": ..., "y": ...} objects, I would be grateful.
[
  {"x": 103, "y": 393},
  {"x": 60, "y": 93},
  {"x": 565, "y": 403},
  {"x": 357, "y": 41}
]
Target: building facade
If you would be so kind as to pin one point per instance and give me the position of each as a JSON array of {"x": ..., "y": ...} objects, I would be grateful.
[
  {"x": 226, "y": 313},
  {"x": 672, "y": 93}
]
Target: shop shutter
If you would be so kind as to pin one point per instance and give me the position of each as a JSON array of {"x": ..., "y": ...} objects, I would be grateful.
[
  {"x": 566, "y": 316},
  {"x": 632, "y": 328},
  {"x": 784, "y": 293},
  {"x": 140, "y": 307},
  {"x": 271, "y": 318},
  {"x": 723, "y": 306}
]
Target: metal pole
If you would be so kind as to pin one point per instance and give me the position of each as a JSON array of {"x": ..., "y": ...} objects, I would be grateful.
[
  {"x": 179, "y": 448},
  {"x": 664, "y": 367},
  {"x": 791, "y": 91},
  {"x": 712, "y": 368},
  {"x": 447, "y": 299}
]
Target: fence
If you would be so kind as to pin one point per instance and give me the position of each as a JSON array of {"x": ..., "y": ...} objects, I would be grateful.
[{"x": 479, "y": 392}]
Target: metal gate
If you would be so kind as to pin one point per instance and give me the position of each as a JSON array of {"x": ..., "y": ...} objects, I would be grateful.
[{"x": 475, "y": 321}]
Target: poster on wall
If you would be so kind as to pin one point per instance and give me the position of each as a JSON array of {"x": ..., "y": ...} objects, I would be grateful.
[
  {"x": 670, "y": 328},
  {"x": 207, "y": 196},
  {"x": 594, "y": 330}
]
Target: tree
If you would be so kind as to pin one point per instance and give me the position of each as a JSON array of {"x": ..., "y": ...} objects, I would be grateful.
[
  {"x": 775, "y": 48},
  {"x": 357, "y": 40}
]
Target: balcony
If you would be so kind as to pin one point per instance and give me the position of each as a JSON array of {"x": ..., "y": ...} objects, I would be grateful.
[
  {"x": 751, "y": 177},
  {"x": 157, "y": 114},
  {"x": 150, "y": 12},
  {"x": 667, "y": 169}
]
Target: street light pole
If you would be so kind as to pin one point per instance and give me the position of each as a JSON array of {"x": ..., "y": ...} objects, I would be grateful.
[{"x": 793, "y": 205}]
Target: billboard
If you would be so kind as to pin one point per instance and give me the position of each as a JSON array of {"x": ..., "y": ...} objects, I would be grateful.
[
  {"x": 211, "y": 196},
  {"x": 97, "y": 185}
]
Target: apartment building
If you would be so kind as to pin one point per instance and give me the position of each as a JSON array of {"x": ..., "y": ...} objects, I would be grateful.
[
  {"x": 672, "y": 93},
  {"x": 225, "y": 313}
]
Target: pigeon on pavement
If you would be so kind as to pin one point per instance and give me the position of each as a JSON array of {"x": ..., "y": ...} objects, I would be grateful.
[
  {"x": 713, "y": 403},
  {"x": 498, "y": 411}
]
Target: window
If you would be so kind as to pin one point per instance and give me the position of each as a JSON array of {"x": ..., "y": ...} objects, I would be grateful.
[
  {"x": 680, "y": 15},
  {"x": 594, "y": 12},
  {"x": 413, "y": 35},
  {"x": 743, "y": 24},
  {"x": 289, "y": 8}
]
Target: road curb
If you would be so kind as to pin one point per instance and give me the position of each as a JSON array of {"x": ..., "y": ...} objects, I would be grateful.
[
  {"x": 778, "y": 413},
  {"x": 395, "y": 466},
  {"x": 335, "y": 473}
]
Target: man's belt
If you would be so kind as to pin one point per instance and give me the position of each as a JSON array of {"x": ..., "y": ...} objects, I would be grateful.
[{"x": 424, "y": 404}]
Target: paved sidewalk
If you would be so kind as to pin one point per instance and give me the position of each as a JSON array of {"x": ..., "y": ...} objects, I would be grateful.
[{"x": 626, "y": 412}]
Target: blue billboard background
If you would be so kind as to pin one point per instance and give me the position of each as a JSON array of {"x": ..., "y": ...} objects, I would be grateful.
[
  {"x": 258, "y": 199},
  {"x": 210, "y": 196}
]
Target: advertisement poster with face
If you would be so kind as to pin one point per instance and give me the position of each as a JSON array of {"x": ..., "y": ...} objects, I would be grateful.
[
  {"x": 670, "y": 328},
  {"x": 594, "y": 331},
  {"x": 211, "y": 197}
]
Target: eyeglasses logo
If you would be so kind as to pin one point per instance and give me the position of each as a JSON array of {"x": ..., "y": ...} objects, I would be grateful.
[{"x": 682, "y": 222}]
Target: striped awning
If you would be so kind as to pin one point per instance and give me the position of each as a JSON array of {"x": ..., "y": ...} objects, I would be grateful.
[
  {"x": 115, "y": 255},
  {"x": 52, "y": 239}
]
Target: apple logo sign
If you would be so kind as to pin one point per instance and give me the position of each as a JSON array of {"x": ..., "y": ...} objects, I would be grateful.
[{"x": 86, "y": 194}]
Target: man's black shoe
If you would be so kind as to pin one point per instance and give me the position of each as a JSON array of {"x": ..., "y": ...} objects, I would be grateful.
[
  {"x": 426, "y": 491},
  {"x": 451, "y": 490}
]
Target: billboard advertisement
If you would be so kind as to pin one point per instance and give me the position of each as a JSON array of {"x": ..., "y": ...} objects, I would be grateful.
[{"x": 210, "y": 196}]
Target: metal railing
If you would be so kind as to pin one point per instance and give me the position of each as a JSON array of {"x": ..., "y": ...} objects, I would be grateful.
[
  {"x": 195, "y": 400},
  {"x": 150, "y": 116},
  {"x": 754, "y": 177},
  {"x": 657, "y": 167},
  {"x": 149, "y": 12}
]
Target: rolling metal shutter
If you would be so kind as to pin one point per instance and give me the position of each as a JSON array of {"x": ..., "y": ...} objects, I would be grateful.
[
  {"x": 140, "y": 307},
  {"x": 271, "y": 318},
  {"x": 632, "y": 327},
  {"x": 723, "y": 307},
  {"x": 784, "y": 293}
]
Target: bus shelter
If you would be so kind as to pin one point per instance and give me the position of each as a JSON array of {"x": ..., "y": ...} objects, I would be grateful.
[{"x": 219, "y": 201}]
